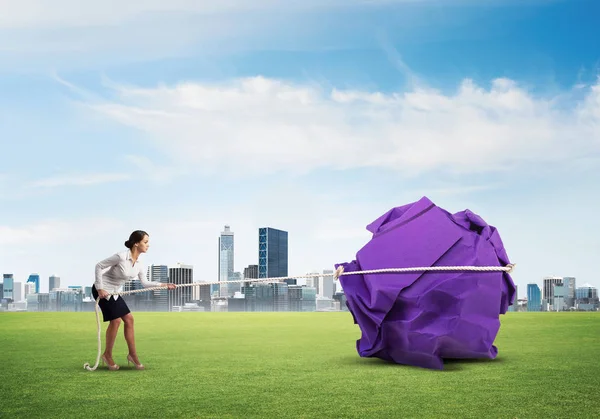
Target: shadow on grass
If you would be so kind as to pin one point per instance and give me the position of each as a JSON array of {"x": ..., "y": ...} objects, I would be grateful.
[
  {"x": 102, "y": 369},
  {"x": 450, "y": 364}
]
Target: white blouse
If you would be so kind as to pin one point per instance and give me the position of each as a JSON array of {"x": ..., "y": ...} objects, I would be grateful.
[{"x": 121, "y": 269}]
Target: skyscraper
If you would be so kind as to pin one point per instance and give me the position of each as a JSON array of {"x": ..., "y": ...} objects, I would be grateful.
[
  {"x": 180, "y": 274},
  {"x": 534, "y": 298},
  {"x": 7, "y": 290},
  {"x": 53, "y": 282},
  {"x": 159, "y": 273},
  {"x": 569, "y": 283},
  {"x": 29, "y": 289},
  {"x": 226, "y": 249},
  {"x": 326, "y": 284},
  {"x": 35, "y": 279},
  {"x": 272, "y": 253},
  {"x": 18, "y": 292},
  {"x": 548, "y": 288}
]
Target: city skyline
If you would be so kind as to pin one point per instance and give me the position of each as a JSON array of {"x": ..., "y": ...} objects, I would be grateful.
[
  {"x": 319, "y": 292},
  {"x": 232, "y": 269},
  {"x": 315, "y": 118}
]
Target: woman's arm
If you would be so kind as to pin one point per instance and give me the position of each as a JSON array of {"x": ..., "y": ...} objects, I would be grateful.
[
  {"x": 145, "y": 282},
  {"x": 103, "y": 264},
  {"x": 149, "y": 284}
]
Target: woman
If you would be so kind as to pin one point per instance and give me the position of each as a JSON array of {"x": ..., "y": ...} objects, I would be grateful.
[{"x": 122, "y": 267}]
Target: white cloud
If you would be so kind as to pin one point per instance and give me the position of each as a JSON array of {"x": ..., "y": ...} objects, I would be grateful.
[
  {"x": 80, "y": 180},
  {"x": 54, "y": 232},
  {"x": 260, "y": 125}
]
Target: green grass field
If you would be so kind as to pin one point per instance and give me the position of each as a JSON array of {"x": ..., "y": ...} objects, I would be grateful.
[{"x": 290, "y": 365}]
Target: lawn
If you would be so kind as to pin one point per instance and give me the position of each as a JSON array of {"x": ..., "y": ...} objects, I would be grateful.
[{"x": 290, "y": 365}]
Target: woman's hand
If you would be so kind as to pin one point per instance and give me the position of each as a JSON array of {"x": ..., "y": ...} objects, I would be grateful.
[
  {"x": 171, "y": 286},
  {"x": 103, "y": 294}
]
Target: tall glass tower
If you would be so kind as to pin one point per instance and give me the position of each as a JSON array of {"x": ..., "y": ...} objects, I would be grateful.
[
  {"x": 225, "y": 261},
  {"x": 35, "y": 279},
  {"x": 534, "y": 298},
  {"x": 272, "y": 253},
  {"x": 8, "y": 289}
]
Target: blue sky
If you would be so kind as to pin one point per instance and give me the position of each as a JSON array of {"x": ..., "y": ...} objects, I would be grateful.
[{"x": 180, "y": 117}]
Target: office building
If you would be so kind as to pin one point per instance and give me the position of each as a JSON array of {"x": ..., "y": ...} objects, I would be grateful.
[
  {"x": 179, "y": 275},
  {"x": 272, "y": 253},
  {"x": 569, "y": 284},
  {"x": 29, "y": 289},
  {"x": 548, "y": 289},
  {"x": 326, "y": 284},
  {"x": 53, "y": 282},
  {"x": 18, "y": 292},
  {"x": 8, "y": 287},
  {"x": 159, "y": 273},
  {"x": 226, "y": 254},
  {"x": 534, "y": 298},
  {"x": 35, "y": 279},
  {"x": 587, "y": 298},
  {"x": 251, "y": 272}
]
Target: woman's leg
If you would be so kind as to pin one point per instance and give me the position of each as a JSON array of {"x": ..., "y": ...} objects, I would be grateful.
[
  {"x": 111, "y": 336},
  {"x": 130, "y": 336}
]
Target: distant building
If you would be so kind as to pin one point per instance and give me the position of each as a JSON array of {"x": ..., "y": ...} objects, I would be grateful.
[
  {"x": 548, "y": 290},
  {"x": 159, "y": 273},
  {"x": 324, "y": 304},
  {"x": 180, "y": 274},
  {"x": 340, "y": 297},
  {"x": 569, "y": 284},
  {"x": 226, "y": 259},
  {"x": 53, "y": 282},
  {"x": 8, "y": 287},
  {"x": 29, "y": 289},
  {"x": 326, "y": 284},
  {"x": 18, "y": 292},
  {"x": 263, "y": 297},
  {"x": 35, "y": 279},
  {"x": 38, "y": 302},
  {"x": 236, "y": 304},
  {"x": 272, "y": 253},
  {"x": 139, "y": 301},
  {"x": 586, "y": 298},
  {"x": 280, "y": 296},
  {"x": 534, "y": 298},
  {"x": 294, "y": 297},
  {"x": 309, "y": 299},
  {"x": 251, "y": 272},
  {"x": 313, "y": 282},
  {"x": 70, "y": 299},
  {"x": 558, "y": 302},
  {"x": 201, "y": 295}
]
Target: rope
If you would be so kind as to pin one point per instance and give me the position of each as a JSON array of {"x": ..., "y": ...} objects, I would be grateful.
[{"x": 336, "y": 275}]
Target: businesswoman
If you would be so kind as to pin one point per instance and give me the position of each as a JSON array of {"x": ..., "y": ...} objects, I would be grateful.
[{"x": 111, "y": 274}]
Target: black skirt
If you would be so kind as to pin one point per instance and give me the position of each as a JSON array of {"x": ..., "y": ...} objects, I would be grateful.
[{"x": 111, "y": 309}]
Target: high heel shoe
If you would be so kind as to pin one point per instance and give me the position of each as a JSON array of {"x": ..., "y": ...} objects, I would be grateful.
[
  {"x": 137, "y": 366},
  {"x": 110, "y": 367}
]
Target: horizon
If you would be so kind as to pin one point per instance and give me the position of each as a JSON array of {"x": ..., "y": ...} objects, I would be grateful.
[{"x": 181, "y": 118}]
